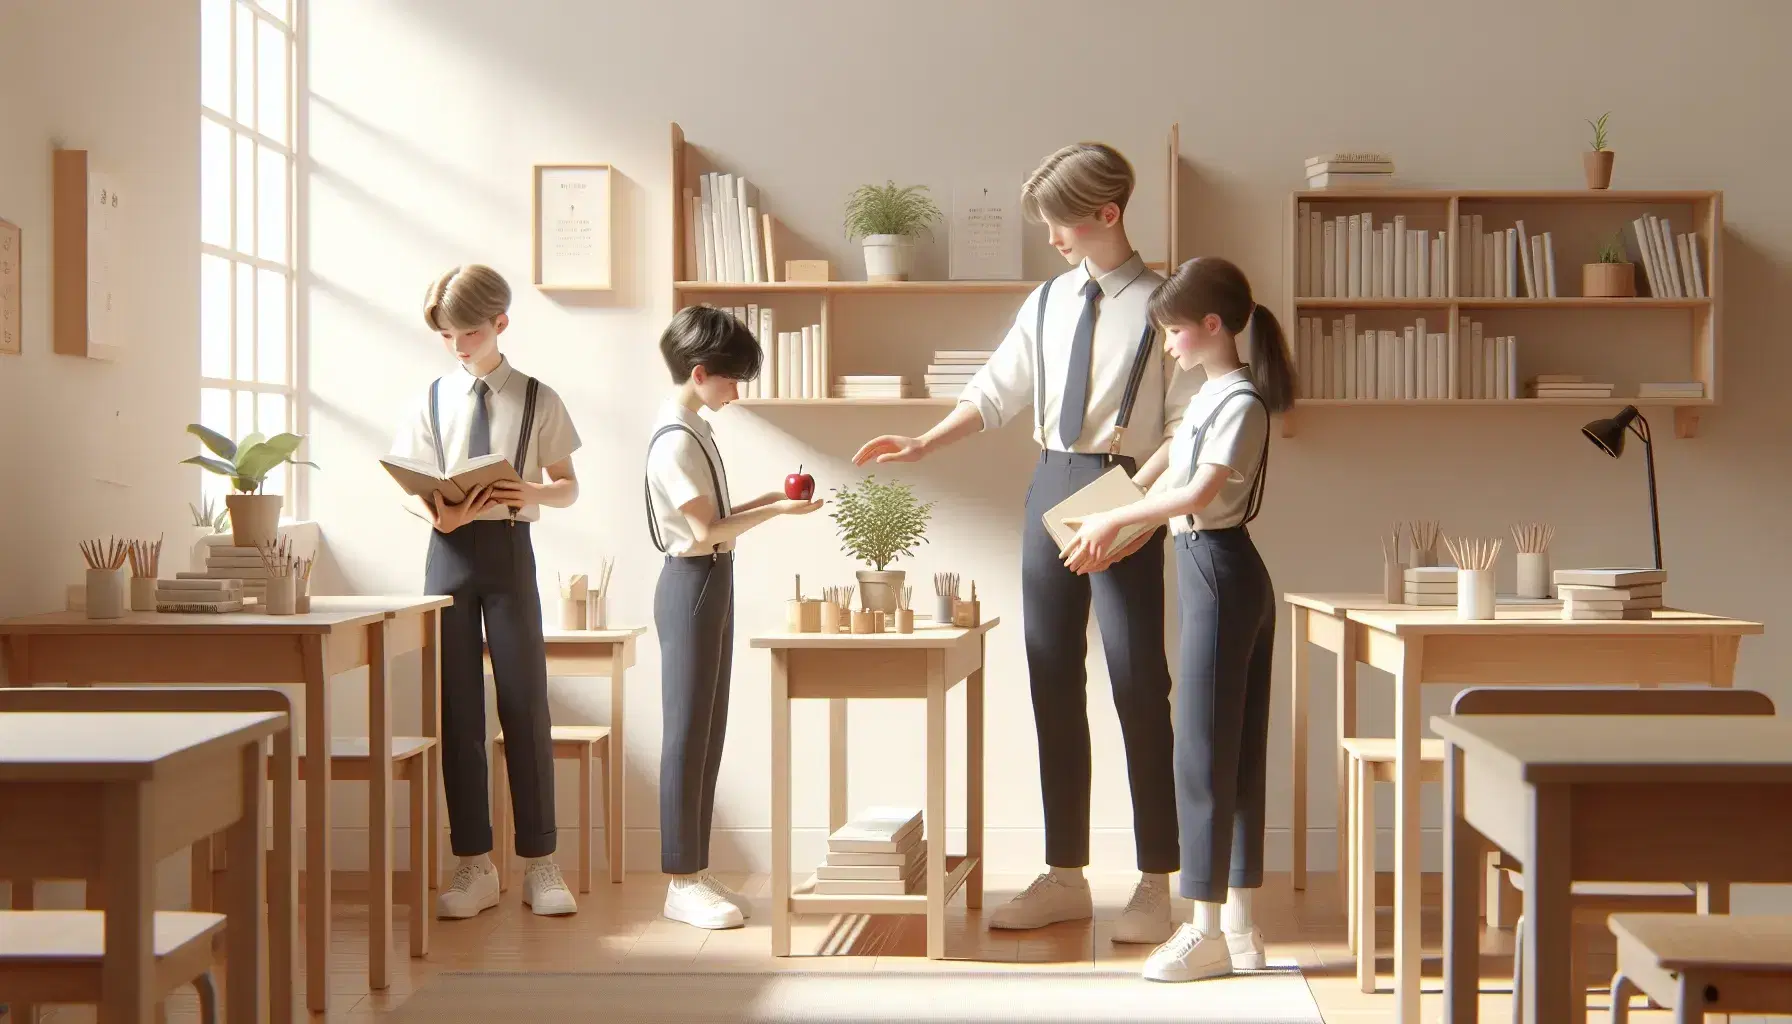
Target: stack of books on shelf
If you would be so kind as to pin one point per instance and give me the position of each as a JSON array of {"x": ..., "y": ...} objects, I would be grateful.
[
  {"x": 1504, "y": 263},
  {"x": 1609, "y": 593},
  {"x": 870, "y": 386},
  {"x": 1350, "y": 170},
  {"x": 194, "y": 594},
  {"x": 795, "y": 363},
  {"x": 726, "y": 237},
  {"x": 1348, "y": 256},
  {"x": 227, "y": 563},
  {"x": 949, "y": 372},
  {"x": 1415, "y": 363},
  {"x": 1431, "y": 585},
  {"x": 1670, "y": 389},
  {"x": 1672, "y": 263},
  {"x": 878, "y": 853},
  {"x": 1567, "y": 385}
]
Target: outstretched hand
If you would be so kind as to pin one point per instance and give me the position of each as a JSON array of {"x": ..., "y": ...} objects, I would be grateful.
[
  {"x": 890, "y": 448},
  {"x": 1093, "y": 543}
]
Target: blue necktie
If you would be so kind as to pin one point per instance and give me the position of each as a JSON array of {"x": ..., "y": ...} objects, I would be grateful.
[
  {"x": 1076, "y": 386},
  {"x": 479, "y": 438}
]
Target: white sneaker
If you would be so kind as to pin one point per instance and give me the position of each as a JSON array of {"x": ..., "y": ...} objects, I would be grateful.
[
  {"x": 473, "y": 888},
  {"x": 545, "y": 891},
  {"x": 741, "y": 903},
  {"x": 1047, "y": 901},
  {"x": 1147, "y": 914},
  {"x": 1247, "y": 950},
  {"x": 696, "y": 904},
  {"x": 1188, "y": 956}
]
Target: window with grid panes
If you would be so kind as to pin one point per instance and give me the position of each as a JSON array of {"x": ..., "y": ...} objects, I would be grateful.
[{"x": 246, "y": 200}]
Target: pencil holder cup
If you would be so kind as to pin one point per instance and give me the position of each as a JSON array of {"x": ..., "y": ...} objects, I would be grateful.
[
  {"x": 572, "y": 613},
  {"x": 965, "y": 613},
  {"x": 105, "y": 593},
  {"x": 279, "y": 599},
  {"x": 803, "y": 616},
  {"x": 597, "y": 611},
  {"x": 830, "y": 617},
  {"x": 143, "y": 593},
  {"x": 1533, "y": 574},
  {"x": 1474, "y": 594},
  {"x": 942, "y": 608},
  {"x": 1393, "y": 582},
  {"x": 862, "y": 622},
  {"x": 905, "y": 620},
  {"x": 880, "y": 622},
  {"x": 301, "y": 596}
]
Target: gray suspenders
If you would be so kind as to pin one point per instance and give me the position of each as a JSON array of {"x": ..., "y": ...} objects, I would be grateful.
[
  {"x": 1255, "y": 503},
  {"x": 1141, "y": 359},
  {"x": 715, "y": 480},
  {"x": 522, "y": 435}
]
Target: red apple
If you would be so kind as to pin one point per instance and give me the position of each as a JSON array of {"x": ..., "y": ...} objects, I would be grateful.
[{"x": 799, "y": 486}]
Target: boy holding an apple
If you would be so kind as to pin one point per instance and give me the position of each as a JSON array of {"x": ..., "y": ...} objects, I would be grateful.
[{"x": 695, "y": 523}]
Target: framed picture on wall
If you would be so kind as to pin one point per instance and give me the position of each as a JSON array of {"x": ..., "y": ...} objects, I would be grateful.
[{"x": 572, "y": 227}]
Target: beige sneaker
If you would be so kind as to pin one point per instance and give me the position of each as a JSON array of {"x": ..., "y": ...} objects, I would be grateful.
[
  {"x": 545, "y": 890},
  {"x": 1147, "y": 915},
  {"x": 473, "y": 888},
  {"x": 693, "y": 902},
  {"x": 741, "y": 903},
  {"x": 1047, "y": 901}
]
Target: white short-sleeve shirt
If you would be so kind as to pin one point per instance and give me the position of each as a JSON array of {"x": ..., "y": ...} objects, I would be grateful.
[
  {"x": 552, "y": 439},
  {"x": 678, "y": 470},
  {"x": 1235, "y": 440}
]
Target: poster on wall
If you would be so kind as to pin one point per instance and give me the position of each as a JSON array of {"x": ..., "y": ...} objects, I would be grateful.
[
  {"x": 105, "y": 211},
  {"x": 10, "y": 288},
  {"x": 572, "y": 227},
  {"x": 985, "y": 233}
]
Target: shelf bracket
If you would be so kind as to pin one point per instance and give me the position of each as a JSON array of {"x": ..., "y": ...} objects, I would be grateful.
[
  {"x": 1288, "y": 423},
  {"x": 1686, "y": 421}
]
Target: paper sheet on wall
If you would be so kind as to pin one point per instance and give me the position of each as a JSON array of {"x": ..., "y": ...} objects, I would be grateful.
[
  {"x": 985, "y": 233},
  {"x": 574, "y": 231},
  {"x": 105, "y": 213}
]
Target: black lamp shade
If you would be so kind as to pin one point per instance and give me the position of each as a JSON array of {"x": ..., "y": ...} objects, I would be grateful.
[{"x": 1609, "y": 433}]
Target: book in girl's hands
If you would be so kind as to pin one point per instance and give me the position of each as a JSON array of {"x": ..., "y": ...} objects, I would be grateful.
[
  {"x": 1110, "y": 491},
  {"x": 423, "y": 479}
]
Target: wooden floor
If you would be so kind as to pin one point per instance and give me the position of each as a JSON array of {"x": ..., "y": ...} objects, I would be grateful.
[{"x": 618, "y": 927}]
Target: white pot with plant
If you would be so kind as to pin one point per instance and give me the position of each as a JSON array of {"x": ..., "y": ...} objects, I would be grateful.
[
  {"x": 878, "y": 524},
  {"x": 254, "y": 516},
  {"x": 888, "y": 218},
  {"x": 210, "y": 526}
]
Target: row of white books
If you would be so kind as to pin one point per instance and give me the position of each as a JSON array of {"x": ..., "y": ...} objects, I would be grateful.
[
  {"x": 1672, "y": 263},
  {"x": 1495, "y": 263},
  {"x": 1349, "y": 257},
  {"x": 879, "y": 852},
  {"x": 795, "y": 363},
  {"x": 951, "y": 371},
  {"x": 728, "y": 238},
  {"x": 1413, "y": 363}
]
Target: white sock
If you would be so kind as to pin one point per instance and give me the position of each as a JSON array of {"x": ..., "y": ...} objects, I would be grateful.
[
  {"x": 1237, "y": 916},
  {"x": 529, "y": 862},
  {"x": 687, "y": 881},
  {"x": 484, "y": 861},
  {"x": 1069, "y": 876},
  {"x": 1207, "y": 918},
  {"x": 1156, "y": 878}
]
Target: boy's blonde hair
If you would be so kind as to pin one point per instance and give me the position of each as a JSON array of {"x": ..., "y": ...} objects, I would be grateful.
[
  {"x": 1076, "y": 181},
  {"x": 466, "y": 297}
]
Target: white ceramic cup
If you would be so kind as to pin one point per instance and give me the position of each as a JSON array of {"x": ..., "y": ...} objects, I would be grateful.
[{"x": 1474, "y": 593}]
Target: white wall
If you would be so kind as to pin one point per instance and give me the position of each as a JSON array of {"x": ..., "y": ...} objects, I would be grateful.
[{"x": 425, "y": 119}]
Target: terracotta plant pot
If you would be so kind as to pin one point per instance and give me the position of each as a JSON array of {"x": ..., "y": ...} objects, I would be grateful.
[
  {"x": 1608, "y": 280},
  {"x": 1599, "y": 167},
  {"x": 254, "y": 519}
]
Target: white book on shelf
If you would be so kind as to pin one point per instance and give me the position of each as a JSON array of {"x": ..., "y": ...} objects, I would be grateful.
[
  {"x": 818, "y": 382},
  {"x": 1341, "y": 256},
  {"x": 1322, "y": 364},
  {"x": 1351, "y": 353},
  {"x": 1477, "y": 257},
  {"x": 1328, "y": 277},
  {"x": 692, "y": 262},
  {"x": 730, "y": 214},
  {"x": 1675, "y": 265},
  {"x": 1524, "y": 259},
  {"x": 1341, "y": 347},
  {"x": 1370, "y": 374},
  {"x": 1400, "y": 239},
  {"x": 1374, "y": 290},
  {"x": 1315, "y": 357},
  {"x": 1646, "y": 252},
  {"x": 1535, "y": 249},
  {"x": 825, "y": 357},
  {"x": 1686, "y": 268},
  {"x": 1421, "y": 361},
  {"x": 1511, "y": 366},
  {"x": 1499, "y": 264},
  {"x": 1353, "y": 257},
  {"x": 1385, "y": 249},
  {"x": 1440, "y": 276},
  {"x": 1302, "y": 368},
  {"x": 1490, "y": 354},
  {"x": 1549, "y": 262},
  {"x": 1315, "y": 253},
  {"x": 1490, "y": 266},
  {"x": 781, "y": 387},
  {"x": 1461, "y": 252},
  {"x": 719, "y": 206},
  {"x": 1403, "y": 369},
  {"x": 1477, "y": 379},
  {"x": 711, "y": 252},
  {"x": 1663, "y": 272},
  {"x": 1511, "y": 256},
  {"x": 756, "y": 246},
  {"x": 1303, "y": 275},
  {"x": 1697, "y": 262},
  {"x": 1440, "y": 366},
  {"x": 751, "y": 262}
]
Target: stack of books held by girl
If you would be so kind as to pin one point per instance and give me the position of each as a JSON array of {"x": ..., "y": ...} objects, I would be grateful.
[
  {"x": 1610, "y": 593},
  {"x": 879, "y": 853}
]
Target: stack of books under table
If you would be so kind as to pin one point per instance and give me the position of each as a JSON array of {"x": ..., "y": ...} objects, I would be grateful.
[
  {"x": 1610, "y": 593},
  {"x": 878, "y": 853}
]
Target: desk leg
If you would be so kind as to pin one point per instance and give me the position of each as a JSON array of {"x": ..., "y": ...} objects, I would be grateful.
[
  {"x": 973, "y": 782},
  {"x": 317, "y": 824},
  {"x": 1463, "y": 868},
  {"x": 837, "y": 802},
  {"x": 379, "y": 809},
  {"x": 1407, "y": 725},
  {"x": 430, "y": 685},
  {"x": 1548, "y": 910},
  {"x": 1299, "y": 740},
  {"x": 614, "y": 799},
  {"x": 780, "y": 803},
  {"x": 935, "y": 815},
  {"x": 283, "y": 879},
  {"x": 245, "y": 884},
  {"x": 127, "y": 972},
  {"x": 1347, "y": 727},
  {"x": 1723, "y": 660}
]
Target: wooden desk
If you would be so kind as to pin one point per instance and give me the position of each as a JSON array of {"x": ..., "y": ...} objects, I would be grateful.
[
  {"x": 600, "y": 652},
  {"x": 923, "y": 665},
  {"x": 1624, "y": 798},
  {"x": 104, "y": 796},
  {"x": 338, "y": 635}
]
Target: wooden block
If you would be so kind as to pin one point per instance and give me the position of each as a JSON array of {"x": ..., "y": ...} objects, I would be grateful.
[{"x": 806, "y": 270}]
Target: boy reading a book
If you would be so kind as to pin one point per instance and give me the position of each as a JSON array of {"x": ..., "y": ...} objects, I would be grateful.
[{"x": 480, "y": 554}]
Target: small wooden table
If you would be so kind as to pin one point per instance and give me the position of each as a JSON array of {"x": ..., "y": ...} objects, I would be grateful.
[
  {"x": 922, "y": 665},
  {"x": 104, "y": 796},
  {"x": 600, "y": 652},
  {"x": 338, "y": 635},
  {"x": 1608, "y": 798}
]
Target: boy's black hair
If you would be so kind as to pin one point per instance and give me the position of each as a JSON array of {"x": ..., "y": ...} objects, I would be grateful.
[{"x": 713, "y": 339}]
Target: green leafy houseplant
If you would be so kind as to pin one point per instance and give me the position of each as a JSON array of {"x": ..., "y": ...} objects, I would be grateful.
[
  {"x": 880, "y": 523},
  {"x": 248, "y": 462},
  {"x": 1598, "y": 160},
  {"x": 1612, "y": 250},
  {"x": 1599, "y": 132},
  {"x": 889, "y": 210}
]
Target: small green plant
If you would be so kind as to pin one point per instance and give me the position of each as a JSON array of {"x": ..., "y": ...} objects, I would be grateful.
[
  {"x": 889, "y": 210},
  {"x": 880, "y": 523},
  {"x": 210, "y": 516},
  {"x": 248, "y": 462},
  {"x": 1612, "y": 250},
  {"x": 1599, "y": 131}
]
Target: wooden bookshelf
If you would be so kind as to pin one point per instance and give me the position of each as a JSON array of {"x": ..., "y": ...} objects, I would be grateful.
[
  {"x": 688, "y": 165},
  {"x": 1578, "y": 220}
]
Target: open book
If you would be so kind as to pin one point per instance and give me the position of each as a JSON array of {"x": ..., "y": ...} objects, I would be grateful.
[
  {"x": 1109, "y": 491},
  {"x": 422, "y": 479}
]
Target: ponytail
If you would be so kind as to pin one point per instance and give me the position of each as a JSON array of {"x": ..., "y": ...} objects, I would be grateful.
[
  {"x": 1270, "y": 368},
  {"x": 1210, "y": 285}
]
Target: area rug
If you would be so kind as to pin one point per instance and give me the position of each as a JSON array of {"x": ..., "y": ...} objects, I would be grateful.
[{"x": 838, "y": 997}]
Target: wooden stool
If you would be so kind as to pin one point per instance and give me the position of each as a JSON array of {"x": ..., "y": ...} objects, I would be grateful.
[
  {"x": 1371, "y": 760},
  {"x": 1591, "y": 903},
  {"x": 581, "y": 743},
  {"x": 55, "y": 956},
  {"x": 1696, "y": 964}
]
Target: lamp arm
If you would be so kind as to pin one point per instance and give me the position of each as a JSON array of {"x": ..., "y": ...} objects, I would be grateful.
[{"x": 1654, "y": 509}]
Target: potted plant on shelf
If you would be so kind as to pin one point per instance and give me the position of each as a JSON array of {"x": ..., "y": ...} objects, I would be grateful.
[
  {"x": 888, "y": 218},
  {"x": 1613, "y": 276},
  {"x": 880, "y": 523},
  {"x": 1599, "y": 159},
  {"x": 254, "y": 516}
]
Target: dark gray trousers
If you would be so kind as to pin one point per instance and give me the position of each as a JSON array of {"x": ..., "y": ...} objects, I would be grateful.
[
  {"x": 488, "y": 567},
  {"x": 1129, "y": 604},
  {"x": 693, "y": 611},
  {"x": 1222, "y": 710}
]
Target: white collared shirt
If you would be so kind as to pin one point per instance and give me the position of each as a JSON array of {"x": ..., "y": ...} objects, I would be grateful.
[
  {"x": 553, "y": 437},
  {"x": 1235, "y": 440},
  {"x": 677, "y": 471},
  {"x": 1005, "y": 387}
]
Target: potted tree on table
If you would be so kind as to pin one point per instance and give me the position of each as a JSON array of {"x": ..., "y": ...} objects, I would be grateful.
[
  {"x": 880, "y": 523},
  {"x": 254, "y": 516},
  {"x": 888, "y": 218}
]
